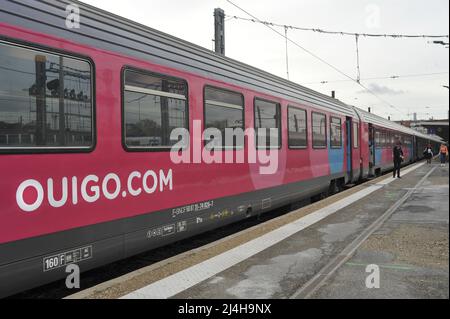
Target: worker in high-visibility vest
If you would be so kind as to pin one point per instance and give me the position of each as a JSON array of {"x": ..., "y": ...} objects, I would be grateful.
[{"x": 443, "y": 153}]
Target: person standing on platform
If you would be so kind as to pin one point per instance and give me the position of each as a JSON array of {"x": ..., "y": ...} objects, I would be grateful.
[
  {"x": 443, "y": 153},
  {"x": 397, "y": 154},
  {"x": 428, "y": 153}
]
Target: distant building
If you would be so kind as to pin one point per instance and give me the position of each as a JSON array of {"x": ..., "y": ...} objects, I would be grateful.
[{"x": 432, "y": 127}]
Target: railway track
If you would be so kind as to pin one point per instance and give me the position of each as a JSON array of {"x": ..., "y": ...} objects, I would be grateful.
[{"x": 58, "y": 289}]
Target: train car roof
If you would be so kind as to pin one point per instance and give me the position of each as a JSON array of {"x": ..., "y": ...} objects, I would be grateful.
[
  {"x": 382, "y": 122},
  {"x": 104, "y": 30}
]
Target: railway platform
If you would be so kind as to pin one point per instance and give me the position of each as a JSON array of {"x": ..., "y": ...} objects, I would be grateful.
[{"x": 386, "y": 238}]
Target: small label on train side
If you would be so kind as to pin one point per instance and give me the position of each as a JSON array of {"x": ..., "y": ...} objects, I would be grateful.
[
  {"x": 197, "y": 207},
  {"x": 68, "y": 257}
]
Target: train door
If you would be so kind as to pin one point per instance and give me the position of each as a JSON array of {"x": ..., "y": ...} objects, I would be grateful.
[
  {"x": 415, "y": 148},
  {"x": 348, "y": 147},
  {"x": 371, "y": 150}
]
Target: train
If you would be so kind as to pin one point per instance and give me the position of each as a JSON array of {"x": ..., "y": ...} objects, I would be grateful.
[{"x": 89, "y": 174}]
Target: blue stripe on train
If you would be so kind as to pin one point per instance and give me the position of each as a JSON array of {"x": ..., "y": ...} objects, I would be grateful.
[
  {"x": 336, "y": 158},
  {"x": 378, "y": 156}
]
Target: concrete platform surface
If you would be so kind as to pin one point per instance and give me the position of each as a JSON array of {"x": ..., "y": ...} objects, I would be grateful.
[
  {"x": 387, "y": 238},
  {"x": 410, "y": 249}
]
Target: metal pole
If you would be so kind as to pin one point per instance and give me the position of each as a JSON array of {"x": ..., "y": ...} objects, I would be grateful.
[
  {"x": 62, "y": 123},
  {"x": 41, "y": 112},
  {"x": 287, "y": 59},
  {"x": 219, "y": 31}
]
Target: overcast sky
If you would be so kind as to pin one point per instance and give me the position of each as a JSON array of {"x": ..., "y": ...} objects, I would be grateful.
[{"x": 255, "y": 44}]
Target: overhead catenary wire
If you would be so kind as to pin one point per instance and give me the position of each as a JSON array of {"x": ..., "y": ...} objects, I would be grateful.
[
  {"x": 392, "y": 77},
  {"x": 353, "y": 34},
  {"x": 316, "y": 56}
]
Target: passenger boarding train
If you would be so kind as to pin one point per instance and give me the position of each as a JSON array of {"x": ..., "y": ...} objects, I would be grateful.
[{"x": 85, "y": 120}]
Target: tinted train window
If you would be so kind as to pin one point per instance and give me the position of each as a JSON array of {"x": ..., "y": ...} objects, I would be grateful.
[
  {"x": 45, "y": 100},
  {"x": 224, "y": 109},
  {"x": 355, "y": 135},
  {"x": 267, "y": 117},
  {"x": 335, "y": 132},
  {"x": 377, "y": 139},
  {"x": 408, "y": 141},
  {"x": 319, "y": 130},
  {"x": 297, "y": 128},
  {"x": 154, "y": 105},
  {"x": 383, "y": 139}
]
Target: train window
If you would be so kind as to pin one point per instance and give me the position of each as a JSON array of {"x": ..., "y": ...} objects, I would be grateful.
[
  {"x": 335, "y": 132},
  {"x": 45, "y": 100},
  {"x": 377, "y": 139},
  {"x": 391, "y": 139},
  {"x": 355, "y": 135},
  {"x": 383, "y": 139},
  {"x": 154, "y": 105},
  {"x": 319, "y": 130},
  {"x": 408, "y": 141},
  {"x": 267, "y": 117},
  {"x": 224, "y": 109},
  {"x": 297, "y": 128}
]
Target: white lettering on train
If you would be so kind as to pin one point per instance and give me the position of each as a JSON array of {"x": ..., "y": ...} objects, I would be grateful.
[
  {"x": 74, "y": 191},
  {"x": 94, "y": 189},
  {"x": 40, "y": 195},
  {"x": 131, "y": 190},
  {"x": 91, "y": 188},
  {"x": 115, "y": 178},
  {"x": 165, "y": 180},
  {"x": 51, "y": 199},
  {"x": 149, "y": 190}
]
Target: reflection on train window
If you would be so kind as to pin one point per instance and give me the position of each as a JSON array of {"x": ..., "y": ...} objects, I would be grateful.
[
  {"x": 225, "y": 110},
  {"x": 319, "y": 130},
  {"x": 297, "y": 128},
  {"x": 383, "y": 139},
  {"x": 335, "y": 132},
  {"x": 267, "y": 124},
  {"x": 355, "y": 135},
  {"x": 154, "y": 105},
  {"x": 377, "y": 139},
  {"x": 45, "y": 100},
  {"x": 408, "y": 141}
]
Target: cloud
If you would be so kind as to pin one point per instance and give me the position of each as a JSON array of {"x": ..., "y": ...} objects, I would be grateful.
[{"x": 381, "y": 89}]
